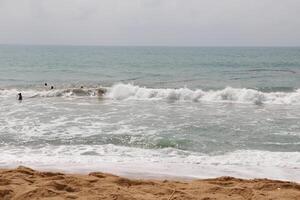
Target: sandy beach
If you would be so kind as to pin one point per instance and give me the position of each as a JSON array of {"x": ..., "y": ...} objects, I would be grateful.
[
  {"x": 149, "y": 100},
  {"x": 24, "y": 183}
]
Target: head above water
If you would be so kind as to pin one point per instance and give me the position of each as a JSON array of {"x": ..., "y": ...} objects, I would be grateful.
[
  {"x": 46, "y": 84},
  {"x": 101, "y": 92}
]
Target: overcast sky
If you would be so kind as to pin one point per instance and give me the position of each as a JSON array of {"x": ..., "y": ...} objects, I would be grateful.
[{"x": 151, "y": 22}]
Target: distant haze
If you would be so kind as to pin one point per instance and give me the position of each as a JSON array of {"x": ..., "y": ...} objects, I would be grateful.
[{"x": 151, "y": 22}]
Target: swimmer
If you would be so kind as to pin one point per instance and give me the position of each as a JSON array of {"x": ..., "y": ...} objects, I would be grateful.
[
  {"x": 101, "y": 92},
  {"x": 52, "y": 87},
  {"x": 20, "y": 97}
]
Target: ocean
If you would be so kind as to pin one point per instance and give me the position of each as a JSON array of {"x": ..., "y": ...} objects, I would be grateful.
[{"x": 189, "y": 112}]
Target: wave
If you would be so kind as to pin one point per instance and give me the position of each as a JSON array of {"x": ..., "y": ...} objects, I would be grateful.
[
  {"x": 122, "y": 91},
  {"x": 229, "y": 94},
  {"x": 169, "y": 161},
  {"x": 69, "y": 92},
  {"x": 272, "y": 70}
]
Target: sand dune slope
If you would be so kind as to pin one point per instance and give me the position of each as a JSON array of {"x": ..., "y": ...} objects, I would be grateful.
[{"x": 26, "y": 184}]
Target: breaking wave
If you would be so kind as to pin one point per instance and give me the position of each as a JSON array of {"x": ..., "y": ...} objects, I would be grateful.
[
  {"x": 69, "y": 92},
  {"x": 134, "y": 92},
  {"x": 229, "y": 94}
]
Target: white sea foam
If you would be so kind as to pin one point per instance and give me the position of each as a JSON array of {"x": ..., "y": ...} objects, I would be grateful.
[
  {"x": 229, "y": 94},
  {"x": 162, "y": 162},
  {"x": 133, "y": 92},
  {"x": 31, "y": 93}
]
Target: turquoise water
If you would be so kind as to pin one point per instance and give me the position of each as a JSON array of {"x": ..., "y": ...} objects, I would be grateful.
[{"x": 177, "y": 111}]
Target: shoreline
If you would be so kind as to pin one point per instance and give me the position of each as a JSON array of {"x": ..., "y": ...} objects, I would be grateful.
[
  {"x": 177, "y": 171},
  {"x": 25, "y": 183}
]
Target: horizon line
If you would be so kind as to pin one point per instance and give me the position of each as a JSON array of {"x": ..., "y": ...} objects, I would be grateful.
[{"x": 145, "y": 45}]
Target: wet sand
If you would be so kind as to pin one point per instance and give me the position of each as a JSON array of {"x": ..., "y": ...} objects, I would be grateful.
[{"x": 27, "y": 184}]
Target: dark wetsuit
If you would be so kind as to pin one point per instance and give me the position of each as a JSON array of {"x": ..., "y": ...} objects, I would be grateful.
[{"x": 20, "y": 98}]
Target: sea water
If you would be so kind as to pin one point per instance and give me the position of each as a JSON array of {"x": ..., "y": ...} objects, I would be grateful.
[{"x": 168, "y": 111}]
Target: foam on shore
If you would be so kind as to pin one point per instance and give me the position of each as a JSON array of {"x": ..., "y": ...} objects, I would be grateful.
[{"x": 160, "y": 162}]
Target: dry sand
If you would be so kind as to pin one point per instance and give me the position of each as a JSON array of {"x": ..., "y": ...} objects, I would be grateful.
[{"x": 24, "y": 183}]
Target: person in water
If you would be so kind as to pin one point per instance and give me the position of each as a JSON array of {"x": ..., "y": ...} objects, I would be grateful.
[
  {"x": 52, "y": 87},
  {"x": 46, "y": 84},
  {"x": 20, "y": 97}
]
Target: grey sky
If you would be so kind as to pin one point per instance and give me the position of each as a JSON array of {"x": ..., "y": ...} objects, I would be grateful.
[{"x": 151, "y": 22}]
